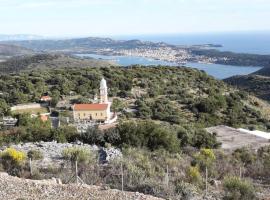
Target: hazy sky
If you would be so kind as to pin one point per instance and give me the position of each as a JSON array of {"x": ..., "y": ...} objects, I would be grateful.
[{"x": 122, "y": 17}]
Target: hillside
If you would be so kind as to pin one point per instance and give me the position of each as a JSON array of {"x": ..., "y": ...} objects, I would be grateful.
[
  {"x": 47, "y": 61},
  {"x": 175, "y": 95},
  {"x": 14, "y": 188},
  {"x": 82, "y": 44},
  {"x": 263, "y": 72},
  {"x": 258, "y": 85},
  {"x": 163, "y": 112},
  {"x": 12, "y": 50}
]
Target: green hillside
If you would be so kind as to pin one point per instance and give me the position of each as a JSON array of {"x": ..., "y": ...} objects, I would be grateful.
[
  {"x": 47, "y": 61},
  {"x": 174, "y": 95}
]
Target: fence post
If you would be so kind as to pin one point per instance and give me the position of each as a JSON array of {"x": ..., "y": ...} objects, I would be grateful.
[
  {"x": 206, "y": 181},
  {"x": 76, "y": 171},
  {"x": 122, "y": 177},
  {"x": 167, "y": 177},
  {"x": 240, "y": 172},
  {"x": 30, "y": 166}
]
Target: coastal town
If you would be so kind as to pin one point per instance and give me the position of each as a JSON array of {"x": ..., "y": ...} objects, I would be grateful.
[{"x": 172, "y": 54}]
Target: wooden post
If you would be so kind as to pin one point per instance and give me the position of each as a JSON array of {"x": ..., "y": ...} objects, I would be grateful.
[
  {"x": 30, "y": 166},
  {"x": 122, "y": 177},
  {"x": 206, "y": 181},
  {"x": 76, "y": 171},
  {"x": 240, "y": 172},
  {"x": 167, "y": 177}
]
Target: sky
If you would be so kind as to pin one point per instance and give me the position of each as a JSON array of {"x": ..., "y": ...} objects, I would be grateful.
[{"x": 131, "y": 17}]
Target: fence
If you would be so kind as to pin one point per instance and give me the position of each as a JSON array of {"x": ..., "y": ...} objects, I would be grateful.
[{"x": 116, "y": 176}]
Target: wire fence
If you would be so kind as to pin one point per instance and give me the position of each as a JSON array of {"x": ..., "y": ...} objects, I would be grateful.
[{"x": 115, "y": 176}]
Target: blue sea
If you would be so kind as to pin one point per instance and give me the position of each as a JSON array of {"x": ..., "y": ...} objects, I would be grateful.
[{"x": 216, "y": 70}]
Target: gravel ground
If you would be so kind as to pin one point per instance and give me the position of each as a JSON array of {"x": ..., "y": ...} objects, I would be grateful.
[{"x": 13, "y": 188}]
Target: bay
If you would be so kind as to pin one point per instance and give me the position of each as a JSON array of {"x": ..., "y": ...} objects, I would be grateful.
[{"x": 216, "y": 70}]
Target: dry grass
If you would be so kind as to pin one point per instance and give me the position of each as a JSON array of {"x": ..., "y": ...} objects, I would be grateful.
[{"x": 32, "y": 111}]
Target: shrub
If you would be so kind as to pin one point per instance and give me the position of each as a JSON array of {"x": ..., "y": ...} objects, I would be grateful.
[
  {"x": 35, "y": 155},
  {"x": 80, "y": 155},
  {"x": 205, "y": 158},
  {"x": 244, "y": 155},
  {"x": 194, "y": 175},
  {"x": 13, "y": 161},
  {"x": 93, "y": 136},
  {"x": 186, "y": 190},
  {"x": 237, "y": 189},
  {"x": 13, "y": 155},
  {"x": 148, "y": 134}
]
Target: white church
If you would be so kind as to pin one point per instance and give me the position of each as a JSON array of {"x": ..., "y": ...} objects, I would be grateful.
[{"x": 97, "y": 113}]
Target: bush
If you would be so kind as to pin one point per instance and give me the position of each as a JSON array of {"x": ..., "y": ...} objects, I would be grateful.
[
  {"x": 186, "y": 190},
  {"x": 93, "y": 136},
  {"x": 14, "y": 155},
  {"x": 194, "y": 175},
  {"x": 13, "y": 161},
  {"x": 245, "y": 155},
  {"x": 81, "y": 155},
  {"x": 148, "y": 134},
  {"x": 205, "y": 158},
  {"x": 237, "y": 189},
  {"x": 35, "y": 155}
]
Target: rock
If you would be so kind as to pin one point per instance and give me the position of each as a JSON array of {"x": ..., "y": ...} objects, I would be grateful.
[{"x": 52, "y": 152}]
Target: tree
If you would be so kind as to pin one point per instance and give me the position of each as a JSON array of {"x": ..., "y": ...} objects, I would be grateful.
[{"x": 4, "y": 107}]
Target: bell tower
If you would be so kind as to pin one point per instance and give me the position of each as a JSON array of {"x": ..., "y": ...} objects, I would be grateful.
[{"x": 103, "y": 90}]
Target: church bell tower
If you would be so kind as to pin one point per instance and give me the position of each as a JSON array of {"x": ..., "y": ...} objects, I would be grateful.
[{"x": 103, "y": 91}]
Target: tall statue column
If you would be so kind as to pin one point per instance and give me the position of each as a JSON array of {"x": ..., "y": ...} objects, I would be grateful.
[{"x": 103, "y": 91}]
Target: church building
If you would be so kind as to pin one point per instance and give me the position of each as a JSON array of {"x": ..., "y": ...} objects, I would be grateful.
[{"x": 95, "y": 112}]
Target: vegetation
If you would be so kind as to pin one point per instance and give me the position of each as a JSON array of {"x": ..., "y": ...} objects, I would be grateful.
[
  {"x": 237, "y": 189},
  {"x": 12, "y": 161},
  {"x": 175, "y": 95},
  {"x": 35, "y": 155},
  {"x": 46, "y": 61},
  {"x": 80, "y": 155},
  {"x": 255, "y": 84},
  {"x": 164, "y": 111}
]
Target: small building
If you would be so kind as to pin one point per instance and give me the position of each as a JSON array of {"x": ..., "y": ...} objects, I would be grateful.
[
  {"x": 45, "y": 98},
  {"x": 9, "y": 121},
  {"x": 95, "y": 112},
  {"x": 92, "y": 112},
  {"x": 44, "y": 118}
]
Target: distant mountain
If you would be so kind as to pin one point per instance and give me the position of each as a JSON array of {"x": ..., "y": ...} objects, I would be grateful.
[
  {"x": 48, "y": 61},
  {"x": 83, "y": 44},
  {"x": 17, "y": 37},
  {"x": 13, "y": 50}
]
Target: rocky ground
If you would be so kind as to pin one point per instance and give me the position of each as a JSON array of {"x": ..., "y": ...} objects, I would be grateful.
[
  {"x": 13, "y": 188},
  {"x": 52, "y": 152}
]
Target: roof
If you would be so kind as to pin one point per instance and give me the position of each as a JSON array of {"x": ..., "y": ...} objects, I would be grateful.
[
  {"x": 44, "y": 118},
  {"x": 93, "y": 106},
  {"x": 45, "y": 98}
]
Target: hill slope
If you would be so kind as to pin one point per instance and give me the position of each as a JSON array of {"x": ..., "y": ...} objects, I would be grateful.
[
  {"x": 12, "y": 50},
  {"x": 257, "y": 83},
  {"x": 176, "y": 95},
  {"x": 82, "y": 44},
  {"x": 46, "y": 61}
]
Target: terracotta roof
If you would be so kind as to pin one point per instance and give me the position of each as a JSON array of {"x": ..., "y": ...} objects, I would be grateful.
[
  {"x": 44, "y": 118},
  {"x": 94, "y": 106},
  {"x": 45, "y": 98}
]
